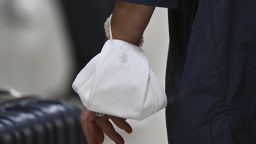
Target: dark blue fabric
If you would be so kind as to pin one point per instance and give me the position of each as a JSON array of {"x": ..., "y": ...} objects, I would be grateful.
[
  {"x": 159, "y": 3},
  {"x": 211, "y": 72}
]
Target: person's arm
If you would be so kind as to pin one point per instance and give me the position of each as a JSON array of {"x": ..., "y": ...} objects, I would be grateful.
[
  {"x": 128, "y": 24},
  {"x": 129, "y": 21}
]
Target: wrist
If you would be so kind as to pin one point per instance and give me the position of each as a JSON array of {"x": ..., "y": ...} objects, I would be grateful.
[
  {"x": 128, "y": 36},
  {"x": 129, "y": 21}
]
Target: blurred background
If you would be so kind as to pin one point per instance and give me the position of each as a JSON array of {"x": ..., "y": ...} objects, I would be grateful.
[{"x": 44, "y": 44}]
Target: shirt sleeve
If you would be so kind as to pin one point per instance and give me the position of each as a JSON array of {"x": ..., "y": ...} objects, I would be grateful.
[{"x": 157, "y": 3}]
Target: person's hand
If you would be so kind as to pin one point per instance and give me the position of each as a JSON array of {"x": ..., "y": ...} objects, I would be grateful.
[{"x": 94, "y": 127}]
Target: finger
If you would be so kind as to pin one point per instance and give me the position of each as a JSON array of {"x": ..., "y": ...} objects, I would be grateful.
[
  {"x": 121, "y": 123},
  {"x": 99, "y": 134},
  {"x": 89, "y": 132},
  {"x": 88, "y": 126},
  {"x": 109, "y": 130}
]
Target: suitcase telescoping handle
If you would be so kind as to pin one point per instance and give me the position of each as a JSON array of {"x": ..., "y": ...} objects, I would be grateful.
[{"x": 8, "y": 93}]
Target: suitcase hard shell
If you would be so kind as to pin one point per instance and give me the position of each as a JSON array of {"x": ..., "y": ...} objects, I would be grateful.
[
  {"x": 32, "y": 120},
  {"x": 5, "y": 135}
]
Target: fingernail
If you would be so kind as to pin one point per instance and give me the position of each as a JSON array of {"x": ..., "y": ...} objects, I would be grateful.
[{"x": 129, "y": 131}]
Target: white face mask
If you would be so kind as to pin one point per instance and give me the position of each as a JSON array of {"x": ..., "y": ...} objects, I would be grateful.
[{"x": 119, "y": 82}]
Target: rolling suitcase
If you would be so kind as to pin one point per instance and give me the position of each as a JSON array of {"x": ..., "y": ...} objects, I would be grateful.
[
  {"x": 35, "y": 121},
  {"x": 74, "y": 132},
  {"x": 6, "y": 137}
]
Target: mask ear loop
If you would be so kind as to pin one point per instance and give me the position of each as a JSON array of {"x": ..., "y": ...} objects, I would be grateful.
[
  {"x": 108, "y": 31},
  {"x": 109, "y": 27}
]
